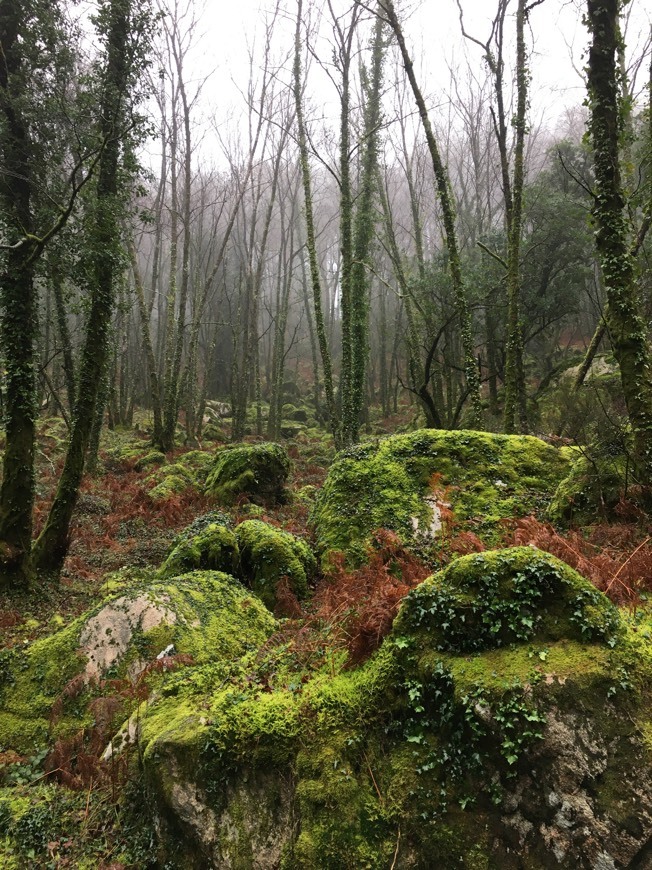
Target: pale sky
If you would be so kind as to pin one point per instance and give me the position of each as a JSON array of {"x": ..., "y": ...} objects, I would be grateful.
[
  {"x": 558, "y": 40},
  {"x": 227, "y": 30}
]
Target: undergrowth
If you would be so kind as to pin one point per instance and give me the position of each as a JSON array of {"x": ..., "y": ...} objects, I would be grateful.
[{"x": 612, "y": 556}]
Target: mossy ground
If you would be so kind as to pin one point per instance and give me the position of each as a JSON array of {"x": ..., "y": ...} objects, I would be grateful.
[
  {"x": 291, "y": 714},
  {"x": 47, "y": 825}
]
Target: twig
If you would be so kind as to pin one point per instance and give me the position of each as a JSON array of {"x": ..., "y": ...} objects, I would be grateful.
[
  {"x": 398, "y": 843},
  {"x": 373, "y": 779},
  {"x": 627, "y": 560},
  {"x": 492, "y": 254}
]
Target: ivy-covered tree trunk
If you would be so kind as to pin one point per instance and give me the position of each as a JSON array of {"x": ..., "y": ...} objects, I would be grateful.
[
  {"x": 52, "y": 544},
  {"x": 515, "y": 397},
  {"x": 626, "y": 326},
  {"x": 448, "y": 214},
  {"x": 311, "y": 242},
  {"x": 17, "y": 295},
  {"x": 346, "y": 237},
  {"x": 363, "y": 227}
]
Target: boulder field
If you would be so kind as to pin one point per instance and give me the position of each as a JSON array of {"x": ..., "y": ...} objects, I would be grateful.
[{"x": 503, "y": 722}]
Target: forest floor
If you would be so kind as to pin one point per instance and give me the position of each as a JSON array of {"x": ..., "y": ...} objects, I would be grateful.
[{"x": 117, "y": 524}]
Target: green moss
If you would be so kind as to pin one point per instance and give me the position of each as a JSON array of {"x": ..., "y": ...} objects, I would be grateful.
[
  {"x": 215, "y": 618},
  {"x": 256, "y": 470},
  {"x": 268, "y": 554},
  {"x": 591, "y": 490},
  {"x": 169, "y": 486},
  {"x": 154, "y": 457},
  {"x": 46, "y": 825},
  {"x": 222, "y": 620},
  {"x": 126, "y": 449},
  {"x": 214, "y": 548},
  {"x": 291, "y": 428},
  {"x": 197, "y": 463},
  {"x": 486, "y": 478},
  {"x": 188, "y": 471},
  {"x": 255, "y": 552},
  {"x": 31, "y": 680},
  {"x": 492, "y": 670},
  {"x": 200, "y": 523},
  {"x": 214, "y": 432},
  {"x": 507, "y": 596},
  {"x": 409, "y": 752},
  {"x": 125, "y": 579}
]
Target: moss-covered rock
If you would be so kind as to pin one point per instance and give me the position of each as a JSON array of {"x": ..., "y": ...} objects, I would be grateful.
[
  {"x": 297, "y": 414},
  {"x": 153, "y": 457},
  {"x": 524, "y": 749},
  {"x": 215, "y": 432},
  {"x": 169, "y": 486},
  {"x": 500, "y": 597},
  {"x": 258, "y": 554},
  {"x": 126, "y": 449},
  {"x": 484, "y": 477},
  {"x": 187, "y": 472},
  {"x": 291, "y": 428},
  {"x": 214, "y": 548},
  {"x": 258, "y": 471},
  {"x": 208, "y": 616},
  {"x": 591, "y": 490},
  {"x": 267, "y": 555}
]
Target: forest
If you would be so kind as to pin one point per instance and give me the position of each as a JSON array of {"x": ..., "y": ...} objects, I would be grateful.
[{"x": 326, "y": 430}]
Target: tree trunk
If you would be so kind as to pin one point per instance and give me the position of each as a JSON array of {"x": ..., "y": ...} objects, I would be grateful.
[
  {"x": 625, "y": 324},
  {"x": 448, "y": 214},
  {"x": 18, "y": 298},
  {"x": 515, "y": 398},
  {"x": 311, "y": 243},
  {"x": 363, "y": 234},
  {"x": 52, "y": 544}
]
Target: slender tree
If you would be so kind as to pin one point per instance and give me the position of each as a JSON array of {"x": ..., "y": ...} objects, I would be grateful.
[
  {"x": 311, "y": 239},
  {"x": 448, "y": 213},
  {"x": 124, "y": 30}
]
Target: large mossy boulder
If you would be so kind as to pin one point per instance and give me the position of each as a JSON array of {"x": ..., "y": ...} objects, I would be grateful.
[
  {"x": 394, "y": 483},
  {"x": 503, "y": 597},
  {"x": 214, "y": 548},
  {"x": 523, "y": 745},
  {"x": 206, "y": 616},
  {"x": 258, "y": 471},
  {"x": 258, "y": 554}
]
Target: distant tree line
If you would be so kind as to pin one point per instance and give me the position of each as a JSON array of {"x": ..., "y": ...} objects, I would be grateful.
[{"x": 445, "y": 254}]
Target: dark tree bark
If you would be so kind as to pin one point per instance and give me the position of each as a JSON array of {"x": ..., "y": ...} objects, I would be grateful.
[
  {"x": 18, "y": 298},
  {"x": 624, "y": 321},
  {"x": 52, "y": 544}
]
